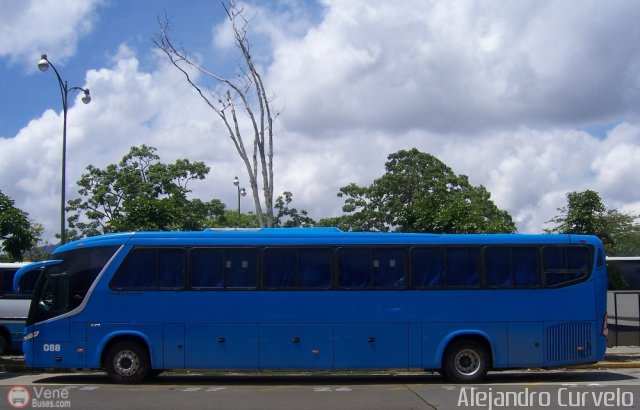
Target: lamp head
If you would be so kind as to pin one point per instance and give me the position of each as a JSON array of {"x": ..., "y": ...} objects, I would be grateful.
[
  {"x": 86, "y": 98},
  {"x": 43, "y": 63},
  {"x": 243, "y": 192},
  {"x": 236, "y": 181}
]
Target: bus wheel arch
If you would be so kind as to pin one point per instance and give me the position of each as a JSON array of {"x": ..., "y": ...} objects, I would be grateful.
[
  {"x": 127, "y": 359},
  {"x": 467, "y": 358}
]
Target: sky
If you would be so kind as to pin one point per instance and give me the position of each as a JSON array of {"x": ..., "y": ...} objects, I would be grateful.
[{"x": 532, "y": 99}]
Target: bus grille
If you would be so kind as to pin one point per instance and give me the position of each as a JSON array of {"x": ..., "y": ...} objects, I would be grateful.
[{"x": 568, "y": 342}]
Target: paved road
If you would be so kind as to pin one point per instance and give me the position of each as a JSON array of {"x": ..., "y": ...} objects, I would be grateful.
[{"x": 613, "y": 388}]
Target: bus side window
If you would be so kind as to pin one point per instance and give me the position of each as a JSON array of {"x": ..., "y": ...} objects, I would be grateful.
[
  {"x": 280, "y": 268},
  {"x": 511, "y": 266},
  {"x": 137, "y": 271},
  {"x": 498, "y": 267},
  {"x": 388, "y": 268},
  {"x": 171, "y": 268},
  {"x": 28, "y": 281},
  {"x": 428, "y": 267},
  {"x": 6, "y": 280},
  {"x": 526, "y": 264},
  {"x": 355, "y": 268},
  {"x": 241, "y": 268},
  {"x": 563, "y": 264},
  {"x": 463, "y": 267},
  {"x": 315, "y": 268},
  {"x": 151, "y": 269},
  {"x": 207, "y": 268}
]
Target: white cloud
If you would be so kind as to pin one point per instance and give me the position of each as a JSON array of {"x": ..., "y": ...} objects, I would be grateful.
[
  {"x": 31, "y": 26},
  {"x": 466, "y": 66}
]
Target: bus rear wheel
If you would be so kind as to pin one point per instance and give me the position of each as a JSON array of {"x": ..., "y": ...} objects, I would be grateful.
[
  {"x": 466, "y": 361},
  {"x": 127, "y": 362}
]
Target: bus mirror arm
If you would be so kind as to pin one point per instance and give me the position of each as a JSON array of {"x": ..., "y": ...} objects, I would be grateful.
[{"x": 28, "y": 268}]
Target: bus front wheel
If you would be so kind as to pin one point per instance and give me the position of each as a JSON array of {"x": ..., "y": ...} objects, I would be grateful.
[
  {"x": 127, "y": 362},
  {"x": 466, "y": 361}
]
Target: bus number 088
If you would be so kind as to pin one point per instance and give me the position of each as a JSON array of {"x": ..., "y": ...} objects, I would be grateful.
[{"x": 51, "y": 347}]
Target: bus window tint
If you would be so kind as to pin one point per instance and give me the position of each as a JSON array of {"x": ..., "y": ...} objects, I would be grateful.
[
  {"x": 137, "y": 271},
  {"x": 463, "y": 267},
  {"x": 241, "y": 268},
  {"x": 315, "y": 268},
  {"x": 578, "y": 259},
  {"x": 498, "y": 265},
  {"x": 526, "y": 266},
  {"x": 151, "y": 268},
  {"x": 388, "y": 266},
  {"x": 355, "y": 268},
  {"x": 171, "y": 267},
  {"x": 428, "y": 267},
  {"x": 281, "y": 268},
  {"x": 378, "y": 268},
  {"x": 511, "y": 267},
  {"x": 297, "y": 268},
  {"x": 6, "y": 280},
  {"x": 28, "y": 281},
  {"x": 207, "y": 268},
  {"x": 565, "y": 264}
]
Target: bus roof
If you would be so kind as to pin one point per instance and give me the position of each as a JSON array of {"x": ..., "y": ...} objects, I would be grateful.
[{"x": 316, "y": 236}]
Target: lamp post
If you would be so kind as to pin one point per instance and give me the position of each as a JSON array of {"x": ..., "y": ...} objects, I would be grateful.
[
  {"x": 43, "y": 65},
  {"x": 241, "y": 191}
]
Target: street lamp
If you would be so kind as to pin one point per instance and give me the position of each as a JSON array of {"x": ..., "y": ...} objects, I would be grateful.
[
  {"x": 44, "y": 65},
  {"x": 241, "y": 191}
]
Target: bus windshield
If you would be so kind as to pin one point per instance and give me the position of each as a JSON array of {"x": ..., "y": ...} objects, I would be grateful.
[{"x": 63, "y": 286}]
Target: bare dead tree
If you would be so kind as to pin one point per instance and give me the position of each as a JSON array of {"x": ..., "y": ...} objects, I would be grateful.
[{"x": 246, "y": 92}]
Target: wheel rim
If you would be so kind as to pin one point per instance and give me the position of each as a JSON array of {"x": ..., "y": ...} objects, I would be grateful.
[
  {"x": 126, "y": 363},
  {"x": 468, "y": 362}
]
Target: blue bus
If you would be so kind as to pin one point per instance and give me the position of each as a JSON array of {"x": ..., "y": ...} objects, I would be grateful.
[
  {"x": 135, "y": 304},
  {"x": 14, "y": 306}
]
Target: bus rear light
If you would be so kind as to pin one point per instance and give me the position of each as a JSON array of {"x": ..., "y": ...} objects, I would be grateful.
[{"x": 605, "y": 325}]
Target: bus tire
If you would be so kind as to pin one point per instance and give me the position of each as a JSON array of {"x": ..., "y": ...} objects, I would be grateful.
[
  {"x": 127, "y": 362},
  {"x": 466, "y": 361}
]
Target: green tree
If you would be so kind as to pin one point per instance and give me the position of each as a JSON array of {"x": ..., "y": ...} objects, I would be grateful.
[
  {"x": 289, "y": 217},
  {"x": 419, "y": 193},
  {"x": 585, "y": 213},
  {"x": 140, "y": 193},
  {"x": 17, "y": 235},
  {"x": 231, "y": 219}
]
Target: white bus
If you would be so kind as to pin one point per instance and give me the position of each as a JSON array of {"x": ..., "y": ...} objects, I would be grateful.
[
  {"x": 623, "y": 300},
  {"x": 14, "y": 307}
]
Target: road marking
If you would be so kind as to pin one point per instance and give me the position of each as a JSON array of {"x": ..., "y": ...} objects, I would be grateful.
[
  {"x": 216, "y": 388},
  {"x": 329, "y": 389}
]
